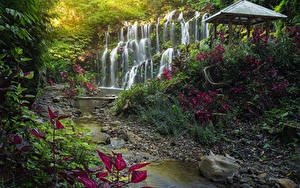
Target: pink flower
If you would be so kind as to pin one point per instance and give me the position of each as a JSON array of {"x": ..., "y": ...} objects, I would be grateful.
[
  {"x": 169, "y": 77},
  {"x": 166, "y": 72}
]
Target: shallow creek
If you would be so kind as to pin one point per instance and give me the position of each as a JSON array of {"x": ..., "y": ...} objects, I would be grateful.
[{"x": 165, "y": 174}]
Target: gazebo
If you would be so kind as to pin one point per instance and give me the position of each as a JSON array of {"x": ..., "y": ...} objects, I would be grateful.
[{"x": 244, "y": 13}]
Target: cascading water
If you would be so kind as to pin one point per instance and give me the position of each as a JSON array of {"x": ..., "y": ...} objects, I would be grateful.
[
  {"x": 204, "y": 26},
  {"x": 166, "y": 59},
  {"x": 157, "y": 36},
  {"x": 131, "y": 60},
  {"x": 168, "y": 18},
  {"x": 103, "y": 59},
  {"x": 197, "y": 14}
]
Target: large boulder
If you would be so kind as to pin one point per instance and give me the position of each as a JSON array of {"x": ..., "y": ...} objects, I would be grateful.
[{"x": 218, "y": 167}]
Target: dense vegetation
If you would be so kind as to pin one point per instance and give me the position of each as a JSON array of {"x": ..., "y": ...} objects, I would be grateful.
[{"x": 56, "y": 41}]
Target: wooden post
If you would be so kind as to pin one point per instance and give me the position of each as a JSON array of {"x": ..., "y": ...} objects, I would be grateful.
[
  {"x": 230, "y": 32},
  {"x": 267, "y": 27},
  {"x": 215, "y": 30}
]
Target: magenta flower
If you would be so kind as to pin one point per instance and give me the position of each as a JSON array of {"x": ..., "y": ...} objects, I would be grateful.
[{"x": 166, "y": 72}]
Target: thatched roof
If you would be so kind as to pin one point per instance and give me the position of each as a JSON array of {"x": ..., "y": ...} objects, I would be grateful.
[{"x": 244, "y": 12}]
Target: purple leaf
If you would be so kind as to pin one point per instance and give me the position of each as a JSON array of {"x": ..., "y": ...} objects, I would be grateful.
[
  {"x": 101, "y": 175},
  {"x": 37, "y": 133},
  {"x": 92, "y": 170},
  {"x": 138, "y": 176},
  {"x": 120, "y": 163},
  {"x": 59, "y": 125},
  {"x": 51, "y": 115},
  {"x": 63, "y": 117},
  {"x": 78, "y": 172},
  {"x": 89, "y": 183},
  {"x": 137, "y": 166},
  {"x": 106, "y": 160}
]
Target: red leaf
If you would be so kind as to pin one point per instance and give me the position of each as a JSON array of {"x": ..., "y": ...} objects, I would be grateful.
[
  {"x": 63, "y": 117},
  {"x": 37, "y": 133},
  {"x": 92, "y": 170},
  {"x": 15, "y": 138},
  {"x": 101, "y": 175},
  {"x": 59, "y": 125},
  {"x": 137, "y": 166},
  {"x": 120, "y": 163},
  {"x": 89, "y": 183},
  {"x": 51, "y": 115},
  {"x": 78, "y": 172},
  {"x": 51, "y": 82},
  {"x": 106, "y": 160},
  {"x": 138, "y": 176}
]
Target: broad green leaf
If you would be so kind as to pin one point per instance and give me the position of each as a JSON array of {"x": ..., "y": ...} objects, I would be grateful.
[{"x": 26, "y": 59}]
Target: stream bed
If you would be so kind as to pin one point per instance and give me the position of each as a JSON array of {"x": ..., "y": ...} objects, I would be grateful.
[{"x": 166, "y": 173}]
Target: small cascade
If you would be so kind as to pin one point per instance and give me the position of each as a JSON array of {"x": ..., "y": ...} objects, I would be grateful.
[
  {"x": 113, "y": 65},
  {"x": 157, "y": 36},
  {"x": 197, "y": 14},
  {"x": 185, "y": 35},
  {"x": 103, "y": 59},
  {"x": 166, "y": 59},
  {"x": 131, "y": 60},
  {"x": 168, "y": 18},
  {"x": 204, "y": 26}
]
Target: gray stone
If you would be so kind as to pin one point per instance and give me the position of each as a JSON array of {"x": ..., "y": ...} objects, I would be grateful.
[
  {"x": 115, "y": 124},
  {"x": 117, "y": 143},
  {"x": 218, "y": 167}
]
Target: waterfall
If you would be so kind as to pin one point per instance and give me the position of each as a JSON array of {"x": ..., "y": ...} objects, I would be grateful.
[
  {"x": 197, "y": 14},
  {"x": 185, "y": 26},
  {"x": 168, "y": 18},
  {"x": 157, "y": 37},
  {"x": 132, "y": 61},
  {"x": 204, "y": 27},
  {"x": 103, "y": 59},
  {"x": 113, "y": 64},
  {"x": 185, "y": 35},
  {"x": 166, "y": 59}
]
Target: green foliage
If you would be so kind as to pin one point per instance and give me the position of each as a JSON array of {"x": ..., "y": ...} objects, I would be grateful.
[
  {"x": 135, "y": 97},
  {"x": 165, "y": 114}
]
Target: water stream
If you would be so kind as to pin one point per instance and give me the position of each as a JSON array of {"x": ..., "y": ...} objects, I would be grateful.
[
  {"x": 131, "y": 61},
  {"x": 161, "y": 174}
]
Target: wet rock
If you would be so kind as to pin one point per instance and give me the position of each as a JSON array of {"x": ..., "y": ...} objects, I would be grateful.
[
  {"x": 132, "y": 137},
  {"x": 103, "y": 137},
  {"x": 245, "y": 185},
  {"x": 117, "y": 143},
  {"x": 105, "y": 129},
  {"x": 115, "y": 124},
  {"x": 286, "y": 183},
  {"x": 218, "y": 167}
]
